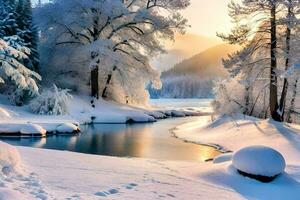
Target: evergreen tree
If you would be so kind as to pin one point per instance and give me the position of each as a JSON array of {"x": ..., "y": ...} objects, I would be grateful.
[
  {"x": 8, "y": 22},
  {"x": 13, "y": 72},
  {"x": 18, "y": 54},
  {"x": 28, "y": 32}
]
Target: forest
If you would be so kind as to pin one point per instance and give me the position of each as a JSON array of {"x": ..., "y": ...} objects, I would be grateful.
[
  {"x": 265, "y": 72},
  {"x": 96, "y": 48}
]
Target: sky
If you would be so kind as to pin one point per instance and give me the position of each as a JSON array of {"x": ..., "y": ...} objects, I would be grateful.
[{"x": 208, "y": 17}]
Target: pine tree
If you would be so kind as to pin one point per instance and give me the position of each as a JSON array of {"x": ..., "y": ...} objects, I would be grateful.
[
  {"x": 28, "y": 32},
  {"x": 18, "y": 53},
  {"x": 8, "y": 21},
  {"x": 13, "y": 71}
]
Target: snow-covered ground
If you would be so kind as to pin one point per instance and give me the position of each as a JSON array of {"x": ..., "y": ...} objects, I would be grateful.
[
  {"x": 15, "y": 120},
  {"x": 49, "y": 174}
]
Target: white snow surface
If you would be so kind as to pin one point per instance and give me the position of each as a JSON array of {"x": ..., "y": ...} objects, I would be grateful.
[
  {"x": 20, "y": 119},
  {"x": 225, "y": 157},
  {"x": 66, "y": 128},
  {"x": 82, "y": 176},
  {"x": 10, "y": 158},
  {"x": 31, "y": 129},
  {"x": 259, "y": 160}
]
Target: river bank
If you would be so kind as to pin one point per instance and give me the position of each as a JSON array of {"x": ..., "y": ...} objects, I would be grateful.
[
  {"x": 82, "y": 176},
  {"x": 20, "y": 121}
]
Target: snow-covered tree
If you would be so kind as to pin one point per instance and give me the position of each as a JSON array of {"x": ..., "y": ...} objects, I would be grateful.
[
  {"x": 108, "y": 43},
  {"x": 27, "y": 31},
  {"x": 8, "y": 22},
  {"x": 12, "y": 70},
  {"x": 268, "y": 33}
]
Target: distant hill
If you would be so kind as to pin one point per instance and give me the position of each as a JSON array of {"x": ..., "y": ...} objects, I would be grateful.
[
  {"x": 184, "y": 47},
  {"x": 194, "y": 77},
  {"x": 207, "y": 64}
]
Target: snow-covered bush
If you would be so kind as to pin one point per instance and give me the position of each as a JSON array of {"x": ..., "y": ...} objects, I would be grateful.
[
  {"x": 51, "y": 102},
  {"x": 228, "y": 97}
]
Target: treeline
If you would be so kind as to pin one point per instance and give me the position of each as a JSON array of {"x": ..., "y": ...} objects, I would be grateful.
[
  {"x": 99, "y": 48},
  {"x": 184, "y": 87}
]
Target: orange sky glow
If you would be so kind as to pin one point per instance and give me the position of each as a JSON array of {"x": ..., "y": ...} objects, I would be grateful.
[{"x": 208, "y": 17}]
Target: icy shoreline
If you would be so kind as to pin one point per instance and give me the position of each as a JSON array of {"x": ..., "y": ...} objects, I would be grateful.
[{"x": 19, "y": 121}]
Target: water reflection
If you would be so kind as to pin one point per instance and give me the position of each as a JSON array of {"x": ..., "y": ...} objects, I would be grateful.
[{"x": 140, "y": 140}]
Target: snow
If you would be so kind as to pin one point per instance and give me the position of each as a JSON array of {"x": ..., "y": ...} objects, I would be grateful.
[
  {"x": 10, "y": 158},
  {"x": 26, "y": 129},
  {"x": 11, "y": 194},
  {"x": 225, "y": 157},
  {"x": 82, "y": 176},
  {"x": 234, "y": 133},
  {"x": 32, "y": 129},
  {"x": 21, "y": 120},
  {"x": 67, "y": 128},
  {"x": 259, "y": 160}
]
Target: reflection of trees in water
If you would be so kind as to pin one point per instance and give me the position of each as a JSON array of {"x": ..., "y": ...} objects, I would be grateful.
[
  {"x": 137, "y": 140},
  {"x": 113, "y": 139}
]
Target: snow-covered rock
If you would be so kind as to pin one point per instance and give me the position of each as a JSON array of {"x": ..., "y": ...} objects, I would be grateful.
[
  {"x": 10, "y": 158},
  {"x": 177, "y": 113},
  {"x": 18, "y": 129},
  {"x": 32, "y": 129},
  {"x": 259, "y": 160},
  {"x": 67, "y": 128},
  {"x": 223, "y": 158}
]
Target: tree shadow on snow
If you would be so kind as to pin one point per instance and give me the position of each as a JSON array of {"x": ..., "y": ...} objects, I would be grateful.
[
  {"x": 283, "y": 187},
  {"x": 289, "y": 133}
]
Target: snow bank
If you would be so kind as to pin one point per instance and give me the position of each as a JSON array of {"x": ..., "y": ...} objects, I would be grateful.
[
  {"x": 238, "y": 132},
  {"x": 259, "y": 160},
  {"x": 32, "y": 129},
  {"x": 10, "y": 158},
  {"x": 25, "y": 129},
  {"x": 111, "y": 112}
]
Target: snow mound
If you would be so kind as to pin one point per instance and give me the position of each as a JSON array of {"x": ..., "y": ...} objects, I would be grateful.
[
  {"x": 67, "y": 128},
  {"x": 259, "y": 160},
  {"x": 8, "y": 194},
  {"x": 32, "y": 129},
  {"x": 10, "y": 158},
  {"x": 223, "y": 158}
]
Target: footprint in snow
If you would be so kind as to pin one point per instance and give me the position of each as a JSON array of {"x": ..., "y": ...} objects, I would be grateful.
[
  {"x": 131, "y": 186},
  {"x": 106, "y": 193}
]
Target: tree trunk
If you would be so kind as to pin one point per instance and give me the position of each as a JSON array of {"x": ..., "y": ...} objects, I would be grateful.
[
  {"x": 292, "y": 105},
  {"x": 94, "y": 77},
  {"x": 247, "y": 100},
  {"x": 109, "y": 77},
  {"x": 287, "y": 62},
  {"x": 273, "y": 77}
]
